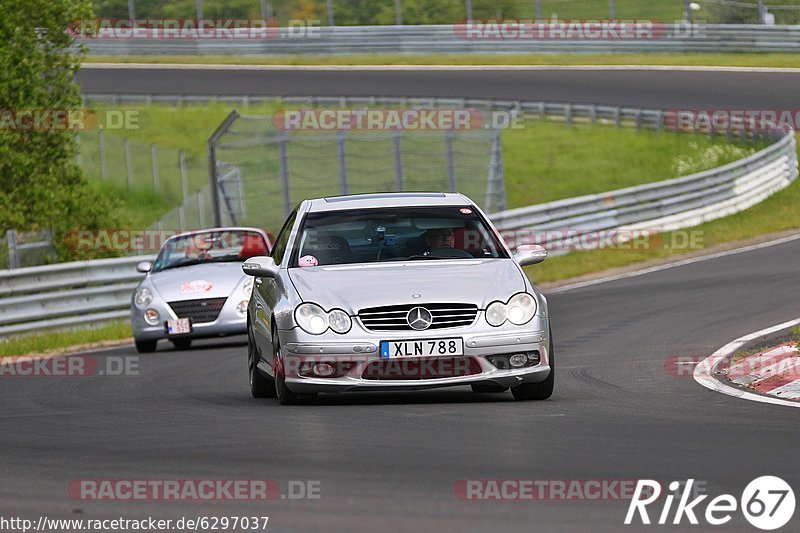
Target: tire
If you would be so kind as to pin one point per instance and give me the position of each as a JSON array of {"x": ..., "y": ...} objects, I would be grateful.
[
  {"x": 181, "y": 344},
  {"x": 486, "y": 388},
  {"x": 145, "y": 346},
  {"x": 284, "y": 395},
  {"x": 260, "y": 386},
  {"x": 542, "y": 390}
]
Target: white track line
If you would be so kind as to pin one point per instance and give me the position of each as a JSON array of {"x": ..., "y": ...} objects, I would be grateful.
[
  {"x": 350, "y": 68},
  {"x": 691, "y": 261},
  {"x": 702, "y": 372}
]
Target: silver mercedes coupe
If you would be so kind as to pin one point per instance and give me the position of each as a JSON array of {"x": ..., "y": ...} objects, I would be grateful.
[
  {"x": 396, "y": 291},
  {"x": 195, "y": 288}
]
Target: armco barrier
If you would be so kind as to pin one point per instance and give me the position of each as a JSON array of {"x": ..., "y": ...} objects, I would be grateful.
[
  {"x": 67, "y": 294},
  {"x": 665, "y": 205},
  {"x": 448, "y": 39}
]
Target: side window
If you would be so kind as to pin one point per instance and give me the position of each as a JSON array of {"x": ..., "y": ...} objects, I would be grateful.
[{"x": 279, "y": 249}]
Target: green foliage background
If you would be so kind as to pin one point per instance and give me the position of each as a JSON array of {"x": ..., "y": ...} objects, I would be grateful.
[{"x": 40, "y": 184}]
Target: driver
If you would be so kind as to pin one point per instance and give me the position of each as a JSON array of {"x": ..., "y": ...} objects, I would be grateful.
[{"x": 439, "y": 238}]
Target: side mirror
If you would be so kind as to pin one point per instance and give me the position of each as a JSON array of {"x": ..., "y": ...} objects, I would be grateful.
[
  {"x": 144, "y": 267},
  {"x": 261, "y": 267},
  {"x": 529, "y": 254}
]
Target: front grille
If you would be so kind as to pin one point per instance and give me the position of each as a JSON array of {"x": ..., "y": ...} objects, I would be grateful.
[
  {"x": 416, "y": 368},
  {"x": 199, "y": 311},
  {"x": 393, "y": 317}
]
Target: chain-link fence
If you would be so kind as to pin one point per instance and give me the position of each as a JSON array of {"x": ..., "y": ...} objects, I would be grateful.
[
  {"x": 26, "y": 248},
  {"x": 132, "y": 166},
  {"x": 262, "y": 173}
]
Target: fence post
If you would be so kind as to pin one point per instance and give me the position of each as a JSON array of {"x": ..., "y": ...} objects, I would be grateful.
[
  {"x": 103, "y": 165},
  {"x": 184, "y": 179},
  {"x": 398, "y": 160},
  {"x": 451, "y": 174},
  {"x": 181, "y": 218},
  {"x": 201, "y": 208},
  {"x": 284, "y": 164},
  {"x": 13, "y": 257},
  {"x": 154, "y": 158},
  {"x": 340, "y": 149},
  {"x": 128, "y": 163}
]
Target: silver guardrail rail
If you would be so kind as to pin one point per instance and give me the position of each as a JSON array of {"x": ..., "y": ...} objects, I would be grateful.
[
  {"x": 453, "y": 39},
  {"x": 79, "y": 293},
  {"x": 656, "y": 207}
]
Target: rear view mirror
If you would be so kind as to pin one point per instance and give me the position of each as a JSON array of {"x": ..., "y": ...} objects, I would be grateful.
[
  {"x": 144, "y": 267},
  {"x": 260, "y": 267},
  {"x": 529, "y": 254}
]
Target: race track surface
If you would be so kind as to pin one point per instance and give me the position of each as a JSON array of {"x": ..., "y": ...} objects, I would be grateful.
[{"x": 388, "y": 462}]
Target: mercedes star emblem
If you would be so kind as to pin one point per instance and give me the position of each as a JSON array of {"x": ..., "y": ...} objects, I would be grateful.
[{"x": 419, "y": 318}]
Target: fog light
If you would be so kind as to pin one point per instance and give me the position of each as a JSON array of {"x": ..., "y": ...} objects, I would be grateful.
[
  {"x": 151, "y": 317},
  {"x": 323, "y": 370},
  {"x": 518, "y": 360},
  {"x": 241, "y": 308}
]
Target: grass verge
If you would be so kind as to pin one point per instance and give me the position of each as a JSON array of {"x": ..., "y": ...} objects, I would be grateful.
[
  {"x": 56, "y": 341},
  {"x": 774, "y": 60}
]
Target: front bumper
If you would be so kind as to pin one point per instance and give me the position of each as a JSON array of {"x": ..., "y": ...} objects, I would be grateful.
[
  {"x": 229, "y": 322},
  {"x": 362, "y": 349}
]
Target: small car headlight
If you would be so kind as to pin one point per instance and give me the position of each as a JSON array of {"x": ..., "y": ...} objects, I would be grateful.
[
  {"x": 311, "y": 318},
  {"x": 496, "y": 313},
  {"x": 521, "y": 308},
  {"x": 143, "y": 297},
  {"x": 247, "y": 286},
  {"x": 339, "y": 321},
  {"x": 151, "y": 317}
]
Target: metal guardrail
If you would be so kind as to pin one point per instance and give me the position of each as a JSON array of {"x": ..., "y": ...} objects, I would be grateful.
[
  {"x": 89, "y": 292},
  {"x": 661, "y": 206},
  {"x": 448, "y": 39},
  {"x": 66, "y": 294}
]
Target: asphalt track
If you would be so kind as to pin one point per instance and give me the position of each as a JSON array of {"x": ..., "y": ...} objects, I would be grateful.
[{"x": 389, "y": 462}]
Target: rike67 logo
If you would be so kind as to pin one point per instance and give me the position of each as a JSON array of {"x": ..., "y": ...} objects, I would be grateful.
[{"x": 767, "y": 503}]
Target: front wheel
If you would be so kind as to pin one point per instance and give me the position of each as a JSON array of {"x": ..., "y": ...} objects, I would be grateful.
[
  {"x": 542, "y": 390},
  {"x": 260, "y": 386},
  {"x": 285, "y": 396},
  {"x": 182, "y": 344}
]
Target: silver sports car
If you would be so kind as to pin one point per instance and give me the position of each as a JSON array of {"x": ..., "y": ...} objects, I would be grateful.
[
  {"x": 396, "y": 291},
  {"x": 196, "y": 287}
]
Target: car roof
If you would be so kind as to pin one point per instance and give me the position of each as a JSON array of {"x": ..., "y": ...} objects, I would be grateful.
[{"x": 395, "y": 199}]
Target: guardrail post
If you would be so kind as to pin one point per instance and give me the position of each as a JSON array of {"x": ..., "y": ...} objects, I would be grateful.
[
  {"x": 568, "y": 115},
  {"x": 128, "y": 162},
  {"x": 13, "y": 257},
  {"x": 184, "y": 178},
  {"x": 284, "y": 164},
  {"x": 103, "y": 165},
  {"x": 154, "y": 159},
  {"x": 340, "y": 149},
  {"x": 618, "y": 117},
  {"x": 451, "y": 172},
  {"x": 593, "y": 114},
  {"x": 659, "y": 121},
  {"x": 398, "y": 160},
  {"x": 638, "y": 120}
]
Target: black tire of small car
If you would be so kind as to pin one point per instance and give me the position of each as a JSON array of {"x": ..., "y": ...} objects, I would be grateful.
[
  {"x": 145, "y": 346},
  {"x": 542, "y": 390},
  {"x": 260, "y": 386}
]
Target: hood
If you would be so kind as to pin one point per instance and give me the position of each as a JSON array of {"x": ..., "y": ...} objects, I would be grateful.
[
  {"x": 355, "y": 287},
  {"x": 210, "y": 280}
]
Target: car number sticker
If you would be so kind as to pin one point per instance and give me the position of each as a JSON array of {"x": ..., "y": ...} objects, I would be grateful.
[
  {"x": 422, "y": 348},
  {"x": 196, "y": 285}
]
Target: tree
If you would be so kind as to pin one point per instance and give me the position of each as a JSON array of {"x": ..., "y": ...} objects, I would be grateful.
[{"x": 40, "y": 184}]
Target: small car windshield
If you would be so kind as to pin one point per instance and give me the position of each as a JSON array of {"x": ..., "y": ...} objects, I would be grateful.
[
  {"x": 394, "y": 234},
  {"x": 210, "y": 247}
]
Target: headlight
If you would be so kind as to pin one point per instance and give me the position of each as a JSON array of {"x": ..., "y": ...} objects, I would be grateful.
[
  {"x": 143, "y": 297},
  {"x": 339, "y": 321},
  {"x": 247, "y": 286},
  {"x": 496, "y": 313},
  {"x": 313, "y": 319},
  {"x": 519, "y": 310},
  {"x": 241, "y": 308},
  {"x": 151, "y": 317}
]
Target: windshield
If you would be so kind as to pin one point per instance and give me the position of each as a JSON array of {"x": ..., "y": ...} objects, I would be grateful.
[
  {"x": 407, "y": 233},
  {"x": 210, "y": 247}
]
